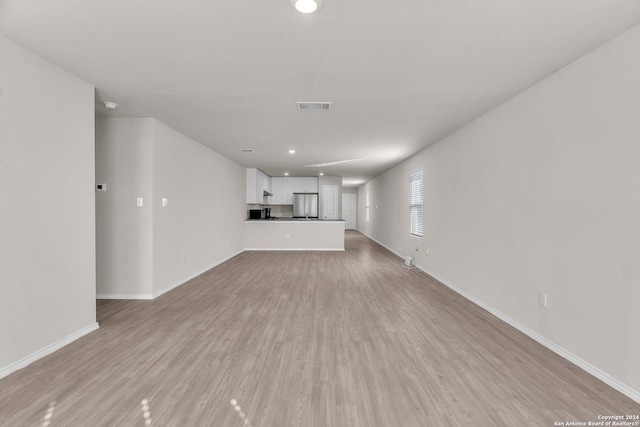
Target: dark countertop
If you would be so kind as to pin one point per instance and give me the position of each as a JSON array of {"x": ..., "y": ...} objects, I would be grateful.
[{"x": 283, "y": 219}]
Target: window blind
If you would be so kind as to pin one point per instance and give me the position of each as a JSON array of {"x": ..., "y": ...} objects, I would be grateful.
[{"x": 416, "y": 191}]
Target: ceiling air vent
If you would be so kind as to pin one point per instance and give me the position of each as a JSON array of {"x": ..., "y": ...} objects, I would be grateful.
[
  {"x": 247, "y": 150},
  {"x": 313, "y": 106}
]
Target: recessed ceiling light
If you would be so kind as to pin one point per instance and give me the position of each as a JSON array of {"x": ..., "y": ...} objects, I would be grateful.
[
  {"x": 306, "y": 6},
  {"x": 292, "y": 151},
  {"x": 321, "y": 174},
  {"x": 110, "y": 105},
  {"x": 286, "y": 174}
]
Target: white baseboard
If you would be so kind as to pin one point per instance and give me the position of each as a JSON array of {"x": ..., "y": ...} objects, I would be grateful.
[
  {"x": 295, "y": 249},
  {"x": 124, "y": 296},
  {"x": 45, "y": 351},
  {"x": 169, "y": 287},
  {"x": 384, "y": 246},
  {"x": 593, "y": 370},
  {"x": 193, "y": 275}
]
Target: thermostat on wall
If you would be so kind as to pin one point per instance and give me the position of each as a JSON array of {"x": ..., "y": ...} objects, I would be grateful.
[{"x": 101, "y": 187}]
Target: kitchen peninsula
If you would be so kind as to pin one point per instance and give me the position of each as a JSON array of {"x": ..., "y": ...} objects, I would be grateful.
[
  {"x": 282, "y": 213},
  {"x": 294, "y": 235}
]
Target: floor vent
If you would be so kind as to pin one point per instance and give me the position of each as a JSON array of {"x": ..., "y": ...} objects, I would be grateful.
[{"x": 313, "y": 106}]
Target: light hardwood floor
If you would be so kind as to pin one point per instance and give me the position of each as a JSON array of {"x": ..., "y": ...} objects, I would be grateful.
[{"x": 305, "y": 339}]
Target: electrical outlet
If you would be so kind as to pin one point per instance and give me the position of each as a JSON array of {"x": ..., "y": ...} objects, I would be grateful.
[{"x": 286, "y": 236}]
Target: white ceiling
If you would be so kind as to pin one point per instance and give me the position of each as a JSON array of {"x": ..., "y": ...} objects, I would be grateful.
[{"x": 401, "y": 74}]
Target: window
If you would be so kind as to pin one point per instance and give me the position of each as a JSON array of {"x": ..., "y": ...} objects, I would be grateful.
[
  {"x": 366, "y": 206},
  {"x": 416, "y": 191}
]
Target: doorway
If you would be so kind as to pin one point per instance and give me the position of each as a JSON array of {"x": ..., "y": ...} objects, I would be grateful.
[
  {"x": 349, "y": 210},
  {"x": 330, "y": 206}
]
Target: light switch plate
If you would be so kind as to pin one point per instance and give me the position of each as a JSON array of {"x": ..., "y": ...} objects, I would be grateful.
[
  {"x": 139, "y": 202},
  {"x": 542, "y": 299}
]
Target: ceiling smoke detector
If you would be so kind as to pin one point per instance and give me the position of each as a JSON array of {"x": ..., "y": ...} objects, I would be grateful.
[{"x": 314, "y": 106}]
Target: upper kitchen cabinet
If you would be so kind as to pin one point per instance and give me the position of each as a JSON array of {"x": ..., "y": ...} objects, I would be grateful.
[
  {"x": 311, "y": 185},
  {"x": 276, "y": 189},
  {"x": 282, "y": 189},
  {"x": 287, "y": 191},
  {"x": 298, "y": 185},
  {"x": 305, "y": 185},
  {"x": 257, "y": 183},
  {"x": 266, "y": 181}
]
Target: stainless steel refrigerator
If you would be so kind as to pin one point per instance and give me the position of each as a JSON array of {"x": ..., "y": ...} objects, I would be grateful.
[{"x": 305, "y": 205}]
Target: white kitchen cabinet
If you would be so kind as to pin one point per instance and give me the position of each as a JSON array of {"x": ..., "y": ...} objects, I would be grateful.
[
  {"x": 276, "y": 189},
  {"x": 257, "y": 183},
  {"x": 299, "y": 185},
  {"x": 311, "y": 185},
  {"x": 252, "y": 185},
  {"x": 307, "y": 184},
  {"x": 287, "y": 191},
  {"x": 282, "y": 187},
  {"x": 266, "y": 181}
]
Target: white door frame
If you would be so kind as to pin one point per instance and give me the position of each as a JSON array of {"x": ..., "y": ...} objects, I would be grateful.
[
  {"x": 330, "y": 202},
  {"x": 351, "y": 219}
]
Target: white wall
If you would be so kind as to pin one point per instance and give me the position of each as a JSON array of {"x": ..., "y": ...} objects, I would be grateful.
[
  {"x": 47, "y": 243},
  {"x": 141, "y": 249},
  {"x": 540, "y": 194},
  {"x": 204, "y": 219},
  {"x": 124, "y": 231}
]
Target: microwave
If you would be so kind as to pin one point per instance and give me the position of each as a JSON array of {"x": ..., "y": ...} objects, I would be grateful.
[{"x": 255, "y": 213}]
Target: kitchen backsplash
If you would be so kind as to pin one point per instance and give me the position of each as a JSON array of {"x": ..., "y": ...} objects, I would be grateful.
[
  {"x": 278, "y": 211},
  {"x": 281, "y": 211}
]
